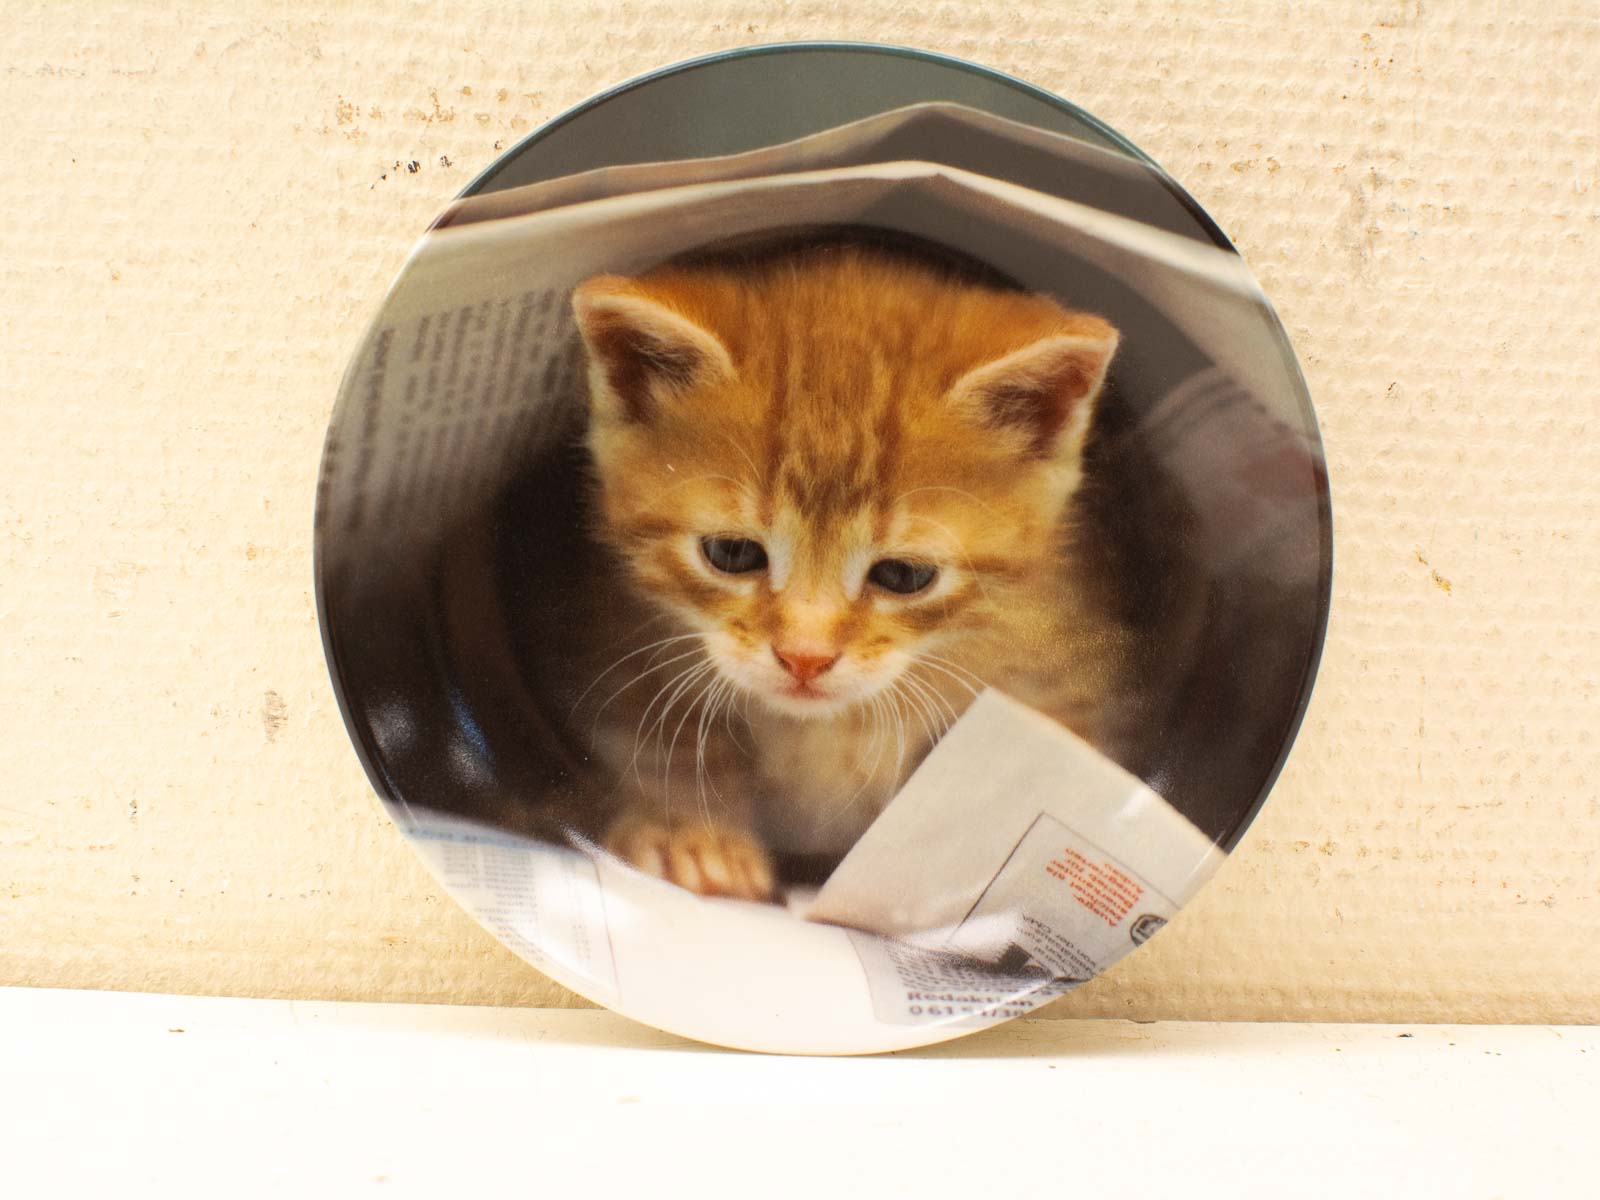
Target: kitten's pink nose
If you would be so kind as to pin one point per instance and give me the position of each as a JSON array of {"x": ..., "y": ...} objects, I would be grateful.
[{"x": 803, "y": 666}]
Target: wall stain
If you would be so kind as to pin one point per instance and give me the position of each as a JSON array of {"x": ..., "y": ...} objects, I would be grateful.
[
  {"x": 1439, "y": 581},
  {"x": 273, "y": 715}
]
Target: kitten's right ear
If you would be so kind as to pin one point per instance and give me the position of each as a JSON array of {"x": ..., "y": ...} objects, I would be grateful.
[
  {"x": 1045, "y": 392},
  {"x": 641, "y": 352}
]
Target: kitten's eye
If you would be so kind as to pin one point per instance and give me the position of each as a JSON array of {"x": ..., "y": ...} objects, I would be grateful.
[
  {"x": 733, "y": 556},
  {"x": 897, "y": 575}
]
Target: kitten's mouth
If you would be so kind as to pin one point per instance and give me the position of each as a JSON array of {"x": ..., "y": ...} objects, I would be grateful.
[
  {"x": 783, "y": 693},
  {"x": 798, "y": 699}
]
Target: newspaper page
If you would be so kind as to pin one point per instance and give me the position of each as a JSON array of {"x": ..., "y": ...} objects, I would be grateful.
[
  {"x": 1016, "y": 863},
  {"x": 1018, "y": 846}
]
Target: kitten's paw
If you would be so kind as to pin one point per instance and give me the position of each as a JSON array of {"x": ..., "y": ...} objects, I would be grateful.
[{"x": 709, "y": 861}]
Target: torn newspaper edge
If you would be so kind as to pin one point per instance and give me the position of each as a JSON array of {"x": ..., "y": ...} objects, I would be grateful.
[
  {"x": 475, "y": 340},
  {"x": 1016, "y": 863},
  {"x": 951, "y": 135}
]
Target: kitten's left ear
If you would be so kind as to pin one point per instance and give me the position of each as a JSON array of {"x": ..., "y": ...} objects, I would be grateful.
[
  {"x": 1045, "y": 392},
  {"x": 641, "y": 352}
]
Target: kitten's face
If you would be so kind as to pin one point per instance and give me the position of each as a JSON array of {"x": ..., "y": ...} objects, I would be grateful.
[{"x": 838, "y": 467}]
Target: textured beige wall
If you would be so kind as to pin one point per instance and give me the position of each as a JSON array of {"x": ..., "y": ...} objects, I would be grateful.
[{"x": 202, "y": 208}]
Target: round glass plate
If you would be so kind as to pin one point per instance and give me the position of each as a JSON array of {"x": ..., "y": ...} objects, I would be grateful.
[{"x": 823, "y": 548}]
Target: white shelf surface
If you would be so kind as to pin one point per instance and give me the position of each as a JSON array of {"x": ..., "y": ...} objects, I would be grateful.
[{"x": 134, "y": 1094}]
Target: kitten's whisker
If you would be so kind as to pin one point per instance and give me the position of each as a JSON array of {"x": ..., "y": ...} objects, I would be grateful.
[
  {"x": 688, "y": 709},
  {"x": 703, "y": 778},
  {"x": 600, "y": 712},
  {"x": 967, "y": 558},
  {"x": 880, "y": 736},
  {"x": 934, "y": 703},
  {"x": 730, "y": 694},
  {"x": 640, "y": 738},
  {"x": 646, "y": 623},
  {"x": 730, "y": 710},
  {"x": 934, "y": 688},
  {"x": 900, "y": 744},
  {"x": 631, "y": 654},
  {"x": 942, "y": 488},
  {"x": 743, "y": 453},
  {"x": 736, "y": 708},
  {"x": 878, "y": 726},
  {"x": 707, "y": 717},
  {"x": 660, "y": 728},
  {"x": 909, "y": 694},
  {"x": 707, "y": 709},
  {"x": 898, "y": 714},
  {"x": 916, "y": 693},
  {"x": 839, "y": 813},
  {"x": 743, "y": 487},
  {"x": 648, "y": 646},
  {"x": 666, "y": 712},
  {"x": 869, "y": 710},
  {"x": 929, "y": 656},
  {"x": 720, "y": 700},
  {"x": 638, "y": 733},
  {"x": 937, "y": 665}
]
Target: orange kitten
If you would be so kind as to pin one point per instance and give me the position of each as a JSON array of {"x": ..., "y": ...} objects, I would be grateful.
[{"x": 845, "y": 478}]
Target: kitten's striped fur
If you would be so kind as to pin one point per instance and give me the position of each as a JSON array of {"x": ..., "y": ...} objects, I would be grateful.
[{"x": 840, "y": 406}]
